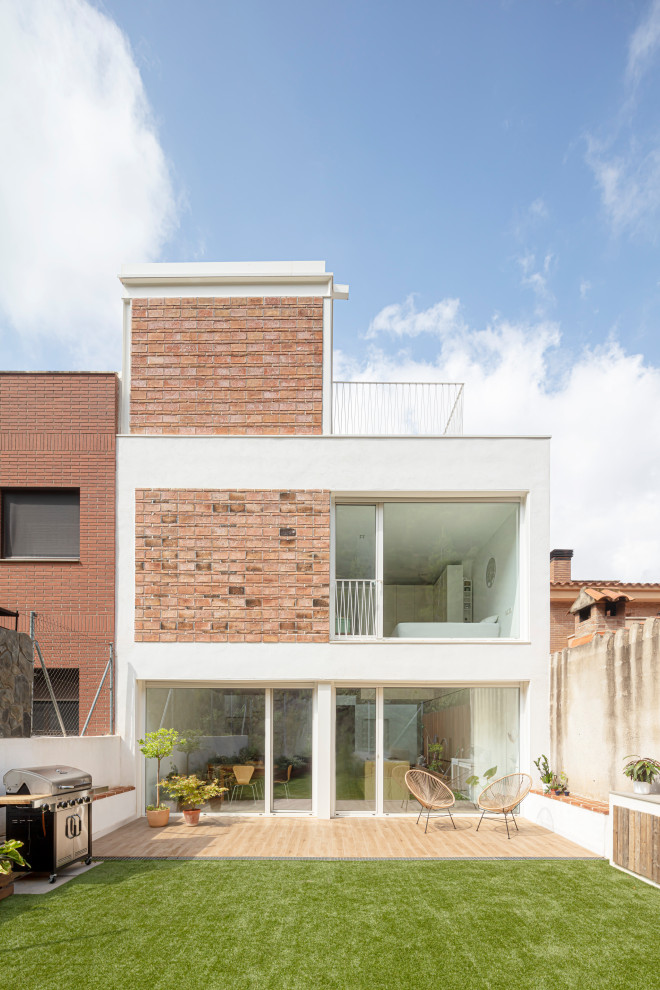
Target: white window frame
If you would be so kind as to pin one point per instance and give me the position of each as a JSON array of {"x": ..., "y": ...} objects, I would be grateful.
[{"x": 379, "y": 501}]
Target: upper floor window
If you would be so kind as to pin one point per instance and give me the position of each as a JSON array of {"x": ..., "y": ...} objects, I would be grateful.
[
  {"x": 40, "y": 523},
  {"x": 427, "y": 570}
]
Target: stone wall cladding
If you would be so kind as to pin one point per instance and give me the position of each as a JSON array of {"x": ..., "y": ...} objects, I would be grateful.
[
  {"x": 232, "y": 566},
  {"x": 227, "y": 366},
  {"x": 16, "y": 677},
  {"x": 59, "y": 431}
]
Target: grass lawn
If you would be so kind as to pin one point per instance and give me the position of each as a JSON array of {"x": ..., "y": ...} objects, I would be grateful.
[{"x": 295, "y": 925}]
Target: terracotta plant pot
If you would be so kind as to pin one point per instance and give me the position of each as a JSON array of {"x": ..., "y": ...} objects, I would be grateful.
[
  {"x": 191, "y": 816},
  {"x": 158, "y": 818}
]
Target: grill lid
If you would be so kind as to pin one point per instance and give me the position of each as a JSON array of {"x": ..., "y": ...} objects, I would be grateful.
[{"x": 46, "y": 780}]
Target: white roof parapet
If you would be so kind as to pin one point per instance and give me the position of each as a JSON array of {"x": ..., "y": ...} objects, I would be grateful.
[{"x": 167, "y": 278}]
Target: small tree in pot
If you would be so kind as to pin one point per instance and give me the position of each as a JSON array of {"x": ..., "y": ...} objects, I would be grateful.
[
  {"x": 191, "y": 793},
  {"x": 9, "y": 855},
  {"x": 157, "y": 746}
]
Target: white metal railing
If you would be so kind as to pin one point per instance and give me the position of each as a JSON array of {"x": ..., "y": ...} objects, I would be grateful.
[
  {"x": 397, "y": 408},
  {"x": 356, "y": 606}
]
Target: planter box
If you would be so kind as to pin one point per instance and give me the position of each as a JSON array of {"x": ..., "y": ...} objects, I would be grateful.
[{"x": 6, "y": 885}]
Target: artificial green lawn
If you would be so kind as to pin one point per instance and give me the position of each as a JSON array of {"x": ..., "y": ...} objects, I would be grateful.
[{"x": 377, "y": 924}]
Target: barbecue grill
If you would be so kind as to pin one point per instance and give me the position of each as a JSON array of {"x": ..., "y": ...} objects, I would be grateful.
[{"x": 49, "y": 810}]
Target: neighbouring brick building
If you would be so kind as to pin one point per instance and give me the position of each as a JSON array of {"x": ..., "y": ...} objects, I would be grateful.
[
  {"x": 57, "y": 519},
  {"x": 580, "y": 608},
  {"x": 316, "y": 580}
]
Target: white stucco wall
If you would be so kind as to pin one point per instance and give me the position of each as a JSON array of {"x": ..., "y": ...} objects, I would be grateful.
[
  {"x": 386, "y": 467},
  {"x": 98, "y": 755}
]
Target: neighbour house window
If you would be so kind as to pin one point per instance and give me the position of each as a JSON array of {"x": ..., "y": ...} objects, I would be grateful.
[
  {"x": 584, "y": 614},
  {"x": 610, "y": 608},
  {"x": 41, "y": 523},
  {"x": 65, "y": 684},
  {"x": 427, "y": 570}
]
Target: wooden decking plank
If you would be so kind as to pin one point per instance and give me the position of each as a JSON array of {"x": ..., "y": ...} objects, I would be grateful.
[{"x": 362, "y": 838}]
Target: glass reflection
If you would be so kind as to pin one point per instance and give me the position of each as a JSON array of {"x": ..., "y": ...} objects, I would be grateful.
[
  {"x": 292, "y": 750},
  {"x": 457, "y": 733},
  {"x": 355, "y": 749},
  {"x": 224, "y": 728}
]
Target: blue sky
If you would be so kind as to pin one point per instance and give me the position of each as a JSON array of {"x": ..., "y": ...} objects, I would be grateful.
[
  {"x": 484, "y": 175},
  {"x": 441, "y": 149}
]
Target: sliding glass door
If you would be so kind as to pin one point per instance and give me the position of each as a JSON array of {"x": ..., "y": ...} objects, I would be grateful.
[
  {"x": 457, "y": 732},
  {"x": 292, "y": 749},
  {"x": 355, "y": 750}
]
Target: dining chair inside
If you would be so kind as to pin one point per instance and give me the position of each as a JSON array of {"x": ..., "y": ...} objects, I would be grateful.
[
  {"x": 284, "y": 781},
  {"x": 243, "y": 776}
]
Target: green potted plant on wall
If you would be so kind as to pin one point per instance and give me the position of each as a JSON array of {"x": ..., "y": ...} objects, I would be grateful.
[
  {"x": 192, "y": 793},
  {"x": 158, "y": 746},
  {"x": 642, "y": 770}
]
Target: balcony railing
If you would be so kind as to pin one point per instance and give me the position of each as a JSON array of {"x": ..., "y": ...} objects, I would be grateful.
[
  {"x": 397, "y": 408},
  {"x": 355, "y": 608}
]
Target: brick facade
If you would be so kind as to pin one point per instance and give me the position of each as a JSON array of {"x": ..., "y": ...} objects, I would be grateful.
[
  {"x": 227, "y": 366},
  {"x": 232, "y": 566},
  {"x": 58, "y": 431}
]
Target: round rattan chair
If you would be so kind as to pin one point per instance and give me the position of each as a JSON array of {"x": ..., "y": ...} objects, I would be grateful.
[
  {"x": 502, "y": 796},
  {"x": 430, "y": 792}
]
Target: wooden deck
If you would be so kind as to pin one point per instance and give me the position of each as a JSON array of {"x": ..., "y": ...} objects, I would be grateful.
[{"x": 238, "y": 837}]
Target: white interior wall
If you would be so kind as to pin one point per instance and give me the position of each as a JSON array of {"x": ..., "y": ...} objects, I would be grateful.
[{"x": 502, "y": 599}]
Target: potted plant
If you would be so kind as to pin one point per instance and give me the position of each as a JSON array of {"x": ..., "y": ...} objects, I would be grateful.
[
  {"x": 191, "y": 793},
  {"x": 9, "y": 855},
  {"x": 157, "y": 746},
  {"x": 545, "y": 773},
  {"x": 642, "y": 770}
]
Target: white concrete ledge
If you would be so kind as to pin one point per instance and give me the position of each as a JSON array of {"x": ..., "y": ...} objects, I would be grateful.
[{"x": 590, "y": 829}]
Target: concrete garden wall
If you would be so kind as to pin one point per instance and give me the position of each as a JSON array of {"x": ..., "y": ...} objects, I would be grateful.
[{"x": 604, "y": 704}]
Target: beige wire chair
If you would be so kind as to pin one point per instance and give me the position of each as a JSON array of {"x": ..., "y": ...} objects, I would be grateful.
[
  {"x": 502, "y": 796},
  {"x": 430, "y": 792}
]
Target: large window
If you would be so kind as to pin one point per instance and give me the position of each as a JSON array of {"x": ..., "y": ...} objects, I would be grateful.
[
  {"x": 224, "y": 729},
  {"x": 355, "y": 749},
  {"x": 429, "y": 570},
  {"x": 40, "y": 523},
  {"x": 459, "y": 733},
  {"x": 292, "y": 749}
]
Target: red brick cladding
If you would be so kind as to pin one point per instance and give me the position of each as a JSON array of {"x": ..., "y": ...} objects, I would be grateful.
[
  {"x": 58, "y": 430},
  {"x": 220, "y": 366},
  {"x": 232, "y": 566}
]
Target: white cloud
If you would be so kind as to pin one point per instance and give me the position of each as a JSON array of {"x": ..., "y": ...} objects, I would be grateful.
[
  {"x": 403, "y": 320},
  {"x": 629, "y": 185},
  {"x": 84, "y": 182},
  {"x": 644, "y": 43},
  {"x": 538, "y": 210},
  {"x": 626, "y": 163},
  {"x": 605, "y": 470},
  {"x": 536, "y": 277},
  {"x": 585, "y": 288}
]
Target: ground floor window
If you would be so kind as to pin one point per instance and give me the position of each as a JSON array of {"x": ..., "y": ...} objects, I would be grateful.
[
  {"x": 259, "y": 743},
  {"x": 459, "y": 733},
  {"x": 224, "y": 732}
]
